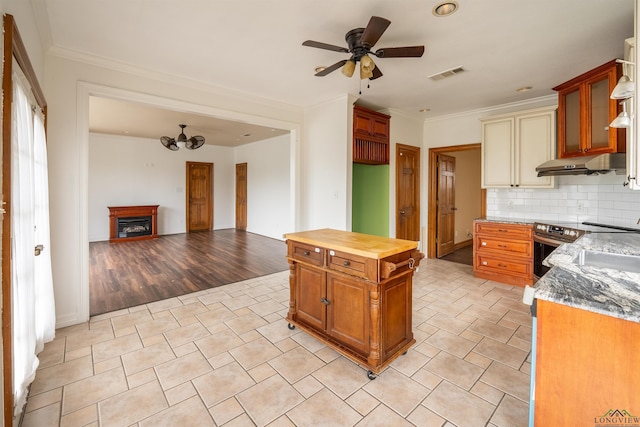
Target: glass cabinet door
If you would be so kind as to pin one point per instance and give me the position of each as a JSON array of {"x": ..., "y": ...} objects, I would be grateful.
[
  {"x": 598, "y": 95},
  {"x": 572, "y": 122}
]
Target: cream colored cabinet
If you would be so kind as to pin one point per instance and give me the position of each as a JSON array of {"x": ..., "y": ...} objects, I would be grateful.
[
  {"x": 633, "y": 144},
  {"x": 514, "y": 145}
]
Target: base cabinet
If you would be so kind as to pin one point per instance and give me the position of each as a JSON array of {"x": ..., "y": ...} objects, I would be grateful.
[
  {"x": 586, "y": 368},
  {"x": 503, "y": 252},
  {"x": 357, "y": 304}
]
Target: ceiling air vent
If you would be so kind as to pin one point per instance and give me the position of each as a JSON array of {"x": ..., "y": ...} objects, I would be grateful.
[{"x": 447, "y": 73}]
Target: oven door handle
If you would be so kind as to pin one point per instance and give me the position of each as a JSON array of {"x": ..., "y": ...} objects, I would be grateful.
[{"x": 547, "y": 241}]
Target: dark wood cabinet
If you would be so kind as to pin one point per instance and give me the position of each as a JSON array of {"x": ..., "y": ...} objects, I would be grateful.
[
  {"x": 585, "y": 110},
  {"x": 353, "y": 291},
  {"x": 370, "y": 136}
]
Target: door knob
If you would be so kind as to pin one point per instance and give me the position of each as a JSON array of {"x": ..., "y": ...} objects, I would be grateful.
[
  {"x": 401, "y": 212},
  {"x": 38, "y": 249}
]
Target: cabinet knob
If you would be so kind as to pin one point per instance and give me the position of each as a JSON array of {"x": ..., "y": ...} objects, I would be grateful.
[
  {"x": 306, "y": 253},
  {"x": 324, "y": 301},
  {"x": 346, "y": 263},
  {"x": 484, "y": 243},
  {"x": 484, "y": 262}
]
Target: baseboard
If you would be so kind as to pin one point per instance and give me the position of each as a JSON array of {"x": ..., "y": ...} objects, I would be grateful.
[{"x": 463, "y": 244}]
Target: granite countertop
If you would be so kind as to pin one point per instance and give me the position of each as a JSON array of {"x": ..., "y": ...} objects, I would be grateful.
[
  {"x": 520, "y": 221},
  {"x": 601, "y": 290}
]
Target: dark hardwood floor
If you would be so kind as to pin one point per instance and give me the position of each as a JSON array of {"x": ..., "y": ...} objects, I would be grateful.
[
  {"x": 127, "y": 274},
  {"x": 463, "y": 255}
]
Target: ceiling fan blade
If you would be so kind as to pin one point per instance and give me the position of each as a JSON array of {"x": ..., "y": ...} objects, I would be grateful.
[
  {"x": 376, "y": 73},
  {"x": 194, "y": 142},
  {"x": 374, "y": 30},
  {"x": 326, "y": 46},
  {"x": 331, "y": 69},
  {"x": 170, "y": 143},
  {"x": 400, "y": 52}
]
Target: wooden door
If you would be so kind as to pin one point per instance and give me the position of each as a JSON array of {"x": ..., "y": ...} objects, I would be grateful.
[
  {"x": 241, "y": 196},
  {"x": 446, "y": 205},
  {"x": 199, "y": 196},
  {"x": 407, "y": 192}
]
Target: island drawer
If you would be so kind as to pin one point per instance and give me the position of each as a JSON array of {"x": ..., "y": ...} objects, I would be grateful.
[
  {"x": 306, "y": 253},
  {"x": 352, "y": 264}
]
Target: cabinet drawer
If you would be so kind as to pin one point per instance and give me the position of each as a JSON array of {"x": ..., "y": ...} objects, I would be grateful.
[
  {"x": 348, "y": 263},
  {"x": 511, "y": 247},
  {"x": 503, "y": 266},
  {"x": 307, "y": 253},
  {"x": 507, "y": 231}
]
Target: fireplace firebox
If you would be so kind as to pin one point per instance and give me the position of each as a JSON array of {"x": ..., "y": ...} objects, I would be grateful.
[{"x": 133, "y": 223}]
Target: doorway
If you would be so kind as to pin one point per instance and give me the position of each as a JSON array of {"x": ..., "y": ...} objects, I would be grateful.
[
  {"x": 407, "y": 192},
  {"x": 469, "y": 198},
  {"x": 199, "y": 196}
]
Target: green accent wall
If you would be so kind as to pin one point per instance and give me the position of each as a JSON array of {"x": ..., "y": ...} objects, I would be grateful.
[{"x": 370, "y": 198}]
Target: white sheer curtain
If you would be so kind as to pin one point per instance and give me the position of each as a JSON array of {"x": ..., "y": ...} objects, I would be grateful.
[{"x": 33, "y": 312}]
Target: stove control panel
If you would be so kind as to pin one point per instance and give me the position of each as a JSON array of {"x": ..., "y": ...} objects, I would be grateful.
[{"x": 564, "y": 233}]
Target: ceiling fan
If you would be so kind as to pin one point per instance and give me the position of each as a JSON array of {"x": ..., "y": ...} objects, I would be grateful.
[
  {"x": 174, "y": 144},
  {"x": 360, "y": 42}
]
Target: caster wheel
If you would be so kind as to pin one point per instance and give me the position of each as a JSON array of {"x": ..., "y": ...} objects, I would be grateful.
[
  {"x": 371, "y": 375},
  {"x": 290, "y": 326}
]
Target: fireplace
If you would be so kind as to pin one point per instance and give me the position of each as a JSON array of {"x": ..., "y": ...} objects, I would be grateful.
[
  {"x": 133, "y": 226},
  {"x": 133, "y": 223}
]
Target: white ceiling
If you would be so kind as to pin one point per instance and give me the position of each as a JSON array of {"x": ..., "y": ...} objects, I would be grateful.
[{"x": 255, "y": 46}]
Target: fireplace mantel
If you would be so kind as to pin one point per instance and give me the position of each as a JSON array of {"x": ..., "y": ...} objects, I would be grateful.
[{"x": 121, "y": 212}]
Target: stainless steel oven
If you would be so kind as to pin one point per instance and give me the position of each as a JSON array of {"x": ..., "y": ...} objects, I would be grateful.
[{"x": 546, "y": 238}]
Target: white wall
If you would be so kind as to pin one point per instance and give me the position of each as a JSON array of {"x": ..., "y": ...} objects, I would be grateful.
[
  {"x": 326, "y": 165},
  {"x": 268, "y": 185},
  {"x": 126, "y": 171},
  {"x": 68, "y": 85}
]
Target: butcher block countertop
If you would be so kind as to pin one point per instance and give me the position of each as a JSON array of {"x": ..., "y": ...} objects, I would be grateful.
[{"x": 355, "y": 243}]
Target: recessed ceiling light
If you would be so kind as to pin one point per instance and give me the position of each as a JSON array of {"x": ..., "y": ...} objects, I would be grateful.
[
  {"x": 445, "y": 8},
  {"x": 425, "y": 110},
  {"x": 320, "y": 68},
  {"x": 524, "y": 88}
]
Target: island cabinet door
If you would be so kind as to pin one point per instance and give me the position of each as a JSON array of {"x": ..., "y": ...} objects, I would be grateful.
[
  {"x": 310, "y": 292},
  {"x": 395, "y": 308},
  {"x": 348, "y": 313}
]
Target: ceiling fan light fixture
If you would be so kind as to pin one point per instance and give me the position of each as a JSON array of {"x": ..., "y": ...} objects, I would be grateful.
[
  {"x": 181, "y": 141},
  {"x": 366, "y": 67},
  {"x": 445, "y": 8},
  {"x": 348, "y": 68}
]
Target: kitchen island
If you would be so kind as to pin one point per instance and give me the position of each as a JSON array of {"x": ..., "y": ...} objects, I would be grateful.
[
  {"x": 587, "y": 334},
  {"x": 353, "y": 292}
]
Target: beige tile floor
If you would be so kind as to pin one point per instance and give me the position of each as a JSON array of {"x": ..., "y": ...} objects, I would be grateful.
[{"x": 225, "y": 357}]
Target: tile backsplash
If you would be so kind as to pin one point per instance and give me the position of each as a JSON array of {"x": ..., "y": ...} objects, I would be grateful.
[{"x": 608, "y": 203}]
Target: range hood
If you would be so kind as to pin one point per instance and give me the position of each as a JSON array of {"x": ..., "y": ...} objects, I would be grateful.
[{"x": 584, "y": 165}]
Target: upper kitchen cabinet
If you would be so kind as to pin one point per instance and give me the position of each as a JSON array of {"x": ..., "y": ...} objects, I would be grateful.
[
  {"x": 585, "y": 111},
  {"x": 370, "y": 136},
  {"x": 514, "y": 144}
]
